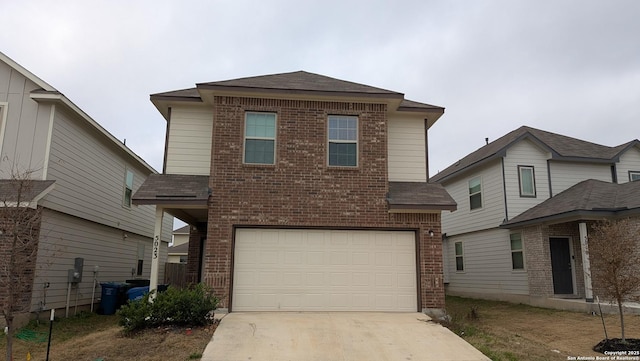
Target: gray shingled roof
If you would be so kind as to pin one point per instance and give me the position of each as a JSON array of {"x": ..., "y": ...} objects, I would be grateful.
[
  {"x": 301, "y": 81},
  {"x": 182, "y": 248},
  {"x": 561, "y": 147},
  {"x": 418, "y": 195},
  {"x": 31, "y": 189},
  {"x": 182, "y": 230},
  {"x": 296, "y": 82},
  {"x": 173, "y": 189},
  {"x": 587, "y": 199}
]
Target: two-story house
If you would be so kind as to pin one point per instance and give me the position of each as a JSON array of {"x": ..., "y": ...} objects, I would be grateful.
[
  {"x": 81, "y": 180},
  {"x": 303, "y": 192},
  {"x": 525, "y": 205}
]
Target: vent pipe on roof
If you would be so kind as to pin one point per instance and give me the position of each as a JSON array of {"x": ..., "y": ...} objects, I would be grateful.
[{"x": 486, "y": 140}]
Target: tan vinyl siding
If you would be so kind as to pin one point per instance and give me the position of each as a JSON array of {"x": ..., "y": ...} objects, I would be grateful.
[
  {"x": 629, "y": 161},
  {"x": 26, "y": 129},
  {"x": 487, "y": 264},
  {"x": 189, "y": 141},
  {"x": 564, "y": 175},
  {"x": 406, "y": 144},
  {"x": 525, "y": 153},
  {"x": 63, "y": 238},
  {"x": 90, "y": 179},
  {"x": 492, "y": 212}
]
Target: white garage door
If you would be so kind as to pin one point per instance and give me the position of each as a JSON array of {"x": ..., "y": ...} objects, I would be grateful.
[{"x": 324, "y": 270}]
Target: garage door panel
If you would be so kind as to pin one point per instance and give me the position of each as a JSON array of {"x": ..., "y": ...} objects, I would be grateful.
[
  {"x": 339, "y": 258},
  {"x": 318, "y": 270},
  {"x": 384, "y": 259}
]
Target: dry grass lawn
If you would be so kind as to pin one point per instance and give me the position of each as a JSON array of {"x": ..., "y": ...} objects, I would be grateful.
[
  {"x": 506, "y": 331},
  {"x": 96, "y": 337},
  {"x": 502, "y": 331}
]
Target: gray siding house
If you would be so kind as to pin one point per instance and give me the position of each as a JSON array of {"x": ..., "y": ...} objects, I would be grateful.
[
  {"x": 84, "y": 179},
  {"x": 525, "y": 205}
]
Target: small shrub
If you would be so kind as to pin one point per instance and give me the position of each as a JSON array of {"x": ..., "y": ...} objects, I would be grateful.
[
  {"x": 184, "y": 307},
  {"x": 473, "y": 313}
]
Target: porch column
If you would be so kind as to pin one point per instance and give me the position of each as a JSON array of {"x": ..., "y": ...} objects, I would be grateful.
[
  {"x": 586, "y": 264},
  {"x": 155, "y": 255}
]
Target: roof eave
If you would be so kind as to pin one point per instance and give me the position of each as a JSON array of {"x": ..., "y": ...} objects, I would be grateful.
[
  {"x": 163, "y": 102},
  {"x": 573, "y": 216},
  {"x": 421, "y": 208}
]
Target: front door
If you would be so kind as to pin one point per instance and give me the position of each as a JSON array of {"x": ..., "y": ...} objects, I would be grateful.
[{"x": 561, "y": 265}]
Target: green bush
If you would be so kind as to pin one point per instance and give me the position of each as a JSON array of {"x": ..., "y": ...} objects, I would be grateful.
[{"x": 184, "y": 307}]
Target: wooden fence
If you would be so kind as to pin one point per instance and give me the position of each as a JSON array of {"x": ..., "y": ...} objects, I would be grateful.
[{"x": 175, "y": 274}]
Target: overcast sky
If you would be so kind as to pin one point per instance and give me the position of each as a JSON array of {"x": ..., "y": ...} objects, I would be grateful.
[{"x": 570, "y": 67}]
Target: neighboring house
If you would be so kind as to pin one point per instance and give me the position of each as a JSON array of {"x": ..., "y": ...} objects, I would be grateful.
[
  {"x": 303, "y": 192},
  {"x": 525, "y": 205},
  {"x": 179, "y": 248},
  {"x": 83, "y": 180}
]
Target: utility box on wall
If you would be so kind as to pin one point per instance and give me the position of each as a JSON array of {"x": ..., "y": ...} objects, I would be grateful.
[{"x": 75, "y": 275}]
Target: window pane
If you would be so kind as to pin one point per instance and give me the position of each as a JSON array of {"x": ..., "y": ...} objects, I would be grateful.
[
  {"x": 634, "y": 176},
  {"x": 127, "y": 197},
  {"x": 517, "y": 260},
  {"x": 476, "y": 201},
  {"x": 526, "y": 182},
  {"x": 458, "y": 248},
  {"x": 262, "y": 125},
  {"x": 343, "y": 128},
  {"x": 343, "y": 154},
  {"x": 516, "y": 242},
  {"x": 129, "y": 181},
  {"x": 459, "y": 264},
  {"x": 259, "y": 151},
  {"x": 475, "y": 185}
]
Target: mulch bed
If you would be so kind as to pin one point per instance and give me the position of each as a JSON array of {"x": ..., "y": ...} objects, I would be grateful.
[{"x": 616, "y": 344}]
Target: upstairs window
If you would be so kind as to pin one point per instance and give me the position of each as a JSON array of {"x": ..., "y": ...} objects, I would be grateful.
[
  {"x": 459, "y": 257},
  {"x": 634, "y": 176},
  {"x": 527, "y": 181},
  {"x": 259, "y": 138},
  {"x": 343, "y": 141},
  {"x": 475, "y": 193},
  {"x": 517, "y": 253},
  {"x": 128, "y": 188}
]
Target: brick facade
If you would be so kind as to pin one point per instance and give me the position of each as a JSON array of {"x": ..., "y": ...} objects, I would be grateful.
[
  {"x": 538, "y": 256},
  {"x": 300, "y": 190}
]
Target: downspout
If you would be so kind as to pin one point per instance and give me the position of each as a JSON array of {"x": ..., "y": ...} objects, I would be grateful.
[
  {"x": 426, "y": 146},
  {"x": 549, "y": 178},
  {"x": 166, "y": 142},
  {"x": 504, "y": 192}
]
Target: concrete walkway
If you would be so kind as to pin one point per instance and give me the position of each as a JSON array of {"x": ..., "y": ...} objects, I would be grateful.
[{"x": 321, "y": 336}]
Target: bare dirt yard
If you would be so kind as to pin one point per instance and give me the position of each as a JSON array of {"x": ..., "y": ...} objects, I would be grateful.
[
  {"x": 502, "y": 331},
  {"x": 506, "y": 331}
]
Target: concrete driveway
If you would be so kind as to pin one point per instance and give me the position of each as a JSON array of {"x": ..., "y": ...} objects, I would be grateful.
[{"x": 340, "y": 336}]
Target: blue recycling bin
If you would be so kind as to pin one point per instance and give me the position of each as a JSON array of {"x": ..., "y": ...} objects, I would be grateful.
[
  {"x": 111, "y": 295},
  {"x": 137, "y": 293}
]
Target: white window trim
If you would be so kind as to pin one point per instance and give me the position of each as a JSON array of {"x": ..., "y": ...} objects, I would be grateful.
[
  {"x": 524, "y": 260},
  {"x": 244, "y": 137},
  {"x": 356, "y": 141},
  {"x": 533, "y": 181},
  {"x": 479, "y": 192},
  {"x": 631, "y": 174},
  {"x": 455, "y": 257},
  {"x": 125, "y": 187}
]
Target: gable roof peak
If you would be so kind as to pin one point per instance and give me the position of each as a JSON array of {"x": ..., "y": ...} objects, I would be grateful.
[
  {"x": 298, "y": 81},
  {"x": 561, "y": 147}
]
